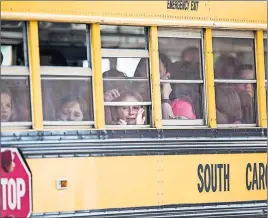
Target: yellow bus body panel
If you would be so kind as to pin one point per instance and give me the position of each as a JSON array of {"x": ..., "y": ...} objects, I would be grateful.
[
  {"x": 207, "y": 13},
  {"x": 137, "y": 181}
]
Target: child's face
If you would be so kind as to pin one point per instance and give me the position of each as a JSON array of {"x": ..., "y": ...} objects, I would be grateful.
[
  {"x": 247, "y": 74},
  {"x": 246, "y": 87},
  {"x": 128, "y": 113},
  {"x": 6, "y": 107},
  {"x": 71, "y": 111},
  {"x": 191, "y": 57}
]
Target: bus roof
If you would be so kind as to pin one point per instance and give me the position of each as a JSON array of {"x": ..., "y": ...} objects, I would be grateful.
[{"x": 218, "y": 14}]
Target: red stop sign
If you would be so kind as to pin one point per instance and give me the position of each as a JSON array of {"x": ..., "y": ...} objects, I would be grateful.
[{"x": 16, "y": 187}]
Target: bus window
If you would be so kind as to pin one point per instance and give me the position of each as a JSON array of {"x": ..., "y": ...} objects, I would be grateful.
[
  {"x": 13, "y": 43},
  {"x": 235, "y": 78},
  {"x": 181, "y": 76},
  {"x": 14, "y": 85},
  {"x": 65, "y": 73},
  {"x": 127, "y": 96},
  {"x": 122, "y": 37}
]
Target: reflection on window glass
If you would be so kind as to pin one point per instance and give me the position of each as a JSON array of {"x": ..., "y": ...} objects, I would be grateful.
[
  {"x": 180, "y": 60},
  {"x": 130, "y": 37},
  {"x": 180, "y": 49},
  {"x": 234, "y": 59},
  {"x": 62, "y": 44},
  {"x": 234, "y": 106},
  {"x": 67, "y": 100},
  {"x": 13, "y": 51},
  {"x": 230, "y": 54},
  {"x": 15, "y": 100}
]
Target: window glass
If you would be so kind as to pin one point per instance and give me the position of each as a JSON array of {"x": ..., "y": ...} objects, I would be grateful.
[
  {"x": 130, "y": 37},
  {"x": 181, "y": 49},
  {"x": 181, "y": 74},
  {"x": 15, "y": 99},
  {"x": 62, "y": 44},
  {"x": 235, "y": 80},
  {"x": 66, "y": 76},
  {"x": 134, "y": 77},
  {"x": 67, "y": 100},
  {"x": 13, "y": 43},
  {"x": 14, "y": 84},
  {"x": 125, "y": 70},
  {"x": 229, "y": 54}
]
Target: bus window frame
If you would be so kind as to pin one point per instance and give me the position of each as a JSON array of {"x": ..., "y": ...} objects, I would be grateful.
[
  {"x": 47, "y": 73},
  {"x": 71, "y": 73},
  {"x": 184, "y": 33},
  {"x": 130, "y": 53},
  {"x": 238, "y": 34},
  {"x": 124, "y": 53},
  {"x": 20, "y": 72}
]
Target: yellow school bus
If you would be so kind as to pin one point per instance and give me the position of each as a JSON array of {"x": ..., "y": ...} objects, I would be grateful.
[{"x": 136, "y": 108}]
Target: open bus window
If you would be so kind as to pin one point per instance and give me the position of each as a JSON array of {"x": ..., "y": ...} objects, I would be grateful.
[
  {"x": 235, "y": 77},
  {"x": 14, "y": 85},
  {"x": 181, "y": 76},
  {"x": 65, "y": 73},
  {"x": 127, "y": 97}
]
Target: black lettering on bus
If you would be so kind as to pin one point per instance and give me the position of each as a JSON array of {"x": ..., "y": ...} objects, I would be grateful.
[
  {"x": 180, "y": 5},
  {"x": 169, "y": 4},
  {"x": 255, "y": 177},
  {"x": 207, "y": 178},
  {"x": 265, "y": 175},
  {"x": 256, "y": 174},
  {"x": 213, "y": 177},
  {"x": 183, "y": 5},
  {"x": 220, "y": 166},
  {"x": 248, "y": 182},
  {"x": 200, "y": 185},
  {"x": 194, "y": 5},
  {"x": 261, "y": 176},
  {"x": 226, "y": 177},
  {"x": 186, "y": 6}
]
